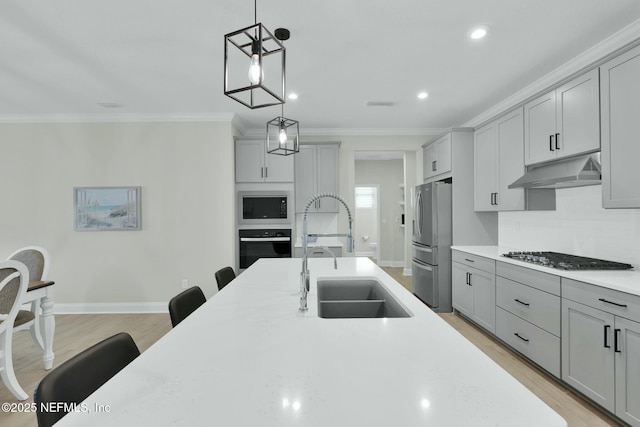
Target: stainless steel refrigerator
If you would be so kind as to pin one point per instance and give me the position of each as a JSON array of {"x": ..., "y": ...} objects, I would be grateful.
[{"x": 431, "y": 246}]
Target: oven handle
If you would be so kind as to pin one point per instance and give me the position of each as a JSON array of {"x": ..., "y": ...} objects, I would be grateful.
[{"x": 265, "y": 239}]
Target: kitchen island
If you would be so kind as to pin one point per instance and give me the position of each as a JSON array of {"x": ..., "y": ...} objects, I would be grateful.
[{"x": 247, "y": 357}]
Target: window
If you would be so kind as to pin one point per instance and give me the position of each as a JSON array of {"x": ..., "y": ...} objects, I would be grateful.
[{"x": 365, "y": 197}]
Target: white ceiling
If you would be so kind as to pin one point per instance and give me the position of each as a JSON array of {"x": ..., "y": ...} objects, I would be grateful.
[{"x": 163, "y": 59}]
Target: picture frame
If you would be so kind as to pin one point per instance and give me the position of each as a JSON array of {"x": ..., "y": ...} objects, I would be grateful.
[{"x": 106, "y": 208}]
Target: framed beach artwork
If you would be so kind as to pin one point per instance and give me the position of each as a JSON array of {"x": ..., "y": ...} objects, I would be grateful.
[{"x": 106, "y": 208}]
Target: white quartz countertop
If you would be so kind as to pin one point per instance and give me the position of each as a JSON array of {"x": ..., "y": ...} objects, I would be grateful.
[
  {"x": 621, "y": 280},
  {"x": 248, "y": 358}
]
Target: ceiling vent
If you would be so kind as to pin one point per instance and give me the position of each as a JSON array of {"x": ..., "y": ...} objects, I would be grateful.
[{"x": 380, "y": 103}]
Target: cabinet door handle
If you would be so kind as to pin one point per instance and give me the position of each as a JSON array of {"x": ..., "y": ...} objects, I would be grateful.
[
  {"x": 523, "y": 339},
  {"x": 614, "y": 303},
  {"x": 606, "y": 336},
  {"x": 469, "y": 279},
  {"x": 557, "y": 138},
  {"x": 551, "y": 143},
  {"x": 261, "y": 172},
  {"x": 616, "y": 336},
  {"x": 521, "y": 302},
  {"x": 433, "y": 166},
  {"x": 266, "y": 172}
]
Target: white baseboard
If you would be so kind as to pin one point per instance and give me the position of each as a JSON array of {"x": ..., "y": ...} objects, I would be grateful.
[
  {"x": 383, "y": 263},
  {"x": 111, "y": 308},
  {"x": 407, "y": 272}
]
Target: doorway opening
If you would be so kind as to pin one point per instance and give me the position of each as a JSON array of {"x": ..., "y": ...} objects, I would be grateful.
[{"x": 367, "y": 213}]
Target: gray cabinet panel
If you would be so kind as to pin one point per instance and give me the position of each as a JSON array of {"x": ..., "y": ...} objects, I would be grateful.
[
  {"x": 620, "y": 106},
  {"x": 537, "y": 279},
  {"x": 587, "y": 356},
  {"x": 539, "y": 308},
  {"x": 628, "y": 371},
  {"x": 316, "y": 171},
  {"x": 536, "y": 344}
]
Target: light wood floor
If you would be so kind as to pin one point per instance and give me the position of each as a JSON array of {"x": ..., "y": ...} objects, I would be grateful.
[
  {"x": 74, "y": 333},
  {"x": 77, "y": 332}
]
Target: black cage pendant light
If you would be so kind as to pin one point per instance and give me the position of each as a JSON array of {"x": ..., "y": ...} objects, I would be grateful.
[
  {"x": 282, "y": 136},
  {"x": 254, "y": 66}
]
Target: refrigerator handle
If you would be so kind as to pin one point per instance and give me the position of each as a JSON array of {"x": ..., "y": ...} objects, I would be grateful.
[{"x": 419, "y": 214}]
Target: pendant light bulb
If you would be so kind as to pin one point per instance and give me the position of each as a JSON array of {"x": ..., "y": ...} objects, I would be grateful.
[
  {"x": 282, "y": 137},
  {"x": 256, "y": 74}
]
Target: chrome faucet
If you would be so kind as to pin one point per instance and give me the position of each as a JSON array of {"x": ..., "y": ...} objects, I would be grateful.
[{"x": 304, "y": 274}]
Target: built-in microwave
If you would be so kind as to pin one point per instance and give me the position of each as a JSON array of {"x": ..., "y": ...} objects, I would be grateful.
[{"x": 263, "y": 207}]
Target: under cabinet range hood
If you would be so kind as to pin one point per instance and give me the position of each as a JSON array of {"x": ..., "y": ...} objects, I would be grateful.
[{"x": 572, "y": 172}]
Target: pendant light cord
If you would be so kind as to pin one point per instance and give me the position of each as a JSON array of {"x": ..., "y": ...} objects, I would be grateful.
[{"x": 255, "y": 11}]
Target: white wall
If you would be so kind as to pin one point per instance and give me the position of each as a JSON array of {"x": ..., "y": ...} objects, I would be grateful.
[
  {"x": 579, "y": 226},
  {"x": 187, "y": 216}
]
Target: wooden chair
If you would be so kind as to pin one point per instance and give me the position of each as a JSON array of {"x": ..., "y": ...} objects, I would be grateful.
[
  {"x": 224, "y": 276},
  {"x": 14, "y": 280},
  {"x": 74, "y": 380},
  {"x": 185, "y": 303},
  {"x": 37, "y": 261}
]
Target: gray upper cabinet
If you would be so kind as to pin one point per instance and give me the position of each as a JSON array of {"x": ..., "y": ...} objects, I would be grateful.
[
  {"x": 316, "y": 171},
  {"x": 499, "y": 161},
  {"x": 254, "y": 164},
  {"x": 563, "y": 122},
  {"x": 437, "y": 157},
  {"x": 620, "y": 110}
]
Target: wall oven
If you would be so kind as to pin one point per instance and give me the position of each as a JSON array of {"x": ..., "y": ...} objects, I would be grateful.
[
  {"x": 263, "y": 243},
  {"x": 264, "y": 207}
]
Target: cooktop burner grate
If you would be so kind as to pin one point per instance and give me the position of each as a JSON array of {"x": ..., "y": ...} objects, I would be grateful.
[{"x": 567, "y": 262}]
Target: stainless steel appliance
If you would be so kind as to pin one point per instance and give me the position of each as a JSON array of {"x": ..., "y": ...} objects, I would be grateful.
[
  {"x": 263, "y": 207},
  {"x": 431, "y": 247},
  {"x": 567, "y": 262},
  {"x": 263, "y": 243}
]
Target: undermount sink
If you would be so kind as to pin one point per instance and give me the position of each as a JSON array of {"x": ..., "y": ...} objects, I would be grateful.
[{"x": 356, "y": 298}]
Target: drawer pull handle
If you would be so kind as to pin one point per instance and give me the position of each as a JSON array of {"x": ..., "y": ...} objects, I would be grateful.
[
  {"x": 523, "y": 303},
  {"x": 523, "y": 339},
  {"x": 616, "y": 336},
  {"x": 606, "y": 336},
  {"x": 611, "y": 302},
  {"x": 470, "y": 260}
]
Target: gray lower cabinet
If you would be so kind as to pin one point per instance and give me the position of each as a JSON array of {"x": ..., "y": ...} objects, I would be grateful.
[
  {"x": 528, "y": 314},
  {"x": 601, "y": 347},
  {"x": 474, "y": 288}
]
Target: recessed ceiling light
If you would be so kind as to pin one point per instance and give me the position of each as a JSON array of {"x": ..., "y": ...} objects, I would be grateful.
[
  {"x": 423, "y": 95},
  {"x": 480, "y": 32},
  {"x": 293, "y": 96}
]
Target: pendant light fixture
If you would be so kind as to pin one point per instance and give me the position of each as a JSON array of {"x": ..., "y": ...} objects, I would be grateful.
[
  {"x": 254, "y": 65},
  {"x": 282, "y": 136}
]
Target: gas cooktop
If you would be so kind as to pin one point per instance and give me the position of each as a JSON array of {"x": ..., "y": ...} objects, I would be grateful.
[{"x": 566, "y": 262}]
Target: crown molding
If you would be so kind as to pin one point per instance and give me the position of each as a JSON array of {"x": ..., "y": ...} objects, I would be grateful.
[
  {"x": 103, "y": 118},
  {"x": 357, "y": 132},
  {"x": 591, "y": 58}
]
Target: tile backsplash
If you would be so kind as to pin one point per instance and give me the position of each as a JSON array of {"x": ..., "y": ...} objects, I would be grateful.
[{"x": 578, "y": 226}]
